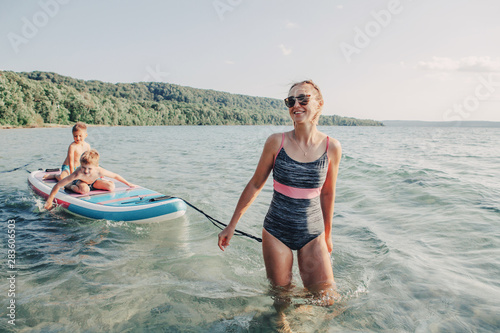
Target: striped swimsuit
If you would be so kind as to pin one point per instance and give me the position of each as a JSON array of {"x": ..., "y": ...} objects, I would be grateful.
[{"x": 295, "y": 216}]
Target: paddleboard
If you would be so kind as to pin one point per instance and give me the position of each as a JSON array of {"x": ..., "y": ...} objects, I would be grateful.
[{"x": 138, "y": 204}]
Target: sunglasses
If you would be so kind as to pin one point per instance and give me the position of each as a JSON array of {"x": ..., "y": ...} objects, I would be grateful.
[{"x": 303, "y": 100}]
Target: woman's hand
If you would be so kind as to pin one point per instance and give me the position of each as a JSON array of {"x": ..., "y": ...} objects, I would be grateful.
[{"x": 224, "y": 237}]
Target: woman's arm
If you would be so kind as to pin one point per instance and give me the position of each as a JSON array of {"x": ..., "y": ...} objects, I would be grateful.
[
  {"x": 327, "y": 196},
  {"x": 253, "y": 188}
]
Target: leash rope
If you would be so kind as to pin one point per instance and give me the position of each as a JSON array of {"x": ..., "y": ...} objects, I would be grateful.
[
  {"x": 21, "y": 167},
  {"x": 218, "y": 224}
]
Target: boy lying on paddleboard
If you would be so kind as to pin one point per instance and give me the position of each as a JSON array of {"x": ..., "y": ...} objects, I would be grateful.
[{"x": 86, "y": 178}]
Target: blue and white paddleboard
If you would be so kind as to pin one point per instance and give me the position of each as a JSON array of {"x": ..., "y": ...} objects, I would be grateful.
[{"x": 138, "y": 204}]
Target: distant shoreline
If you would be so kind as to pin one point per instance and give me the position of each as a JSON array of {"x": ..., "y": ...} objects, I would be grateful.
[
  {"x": 34, "y": 126},
  {"x": 387, "y": 123},
  {"x": 8, "y": 127},
  {"x": 419, "y": 123}
]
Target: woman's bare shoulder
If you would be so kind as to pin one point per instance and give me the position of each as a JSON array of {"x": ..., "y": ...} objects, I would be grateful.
[
  {"x": 273, "y": 142},
  {"x": 334, "y": 148}
]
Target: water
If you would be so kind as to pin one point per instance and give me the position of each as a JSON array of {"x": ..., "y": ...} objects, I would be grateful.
[{"x": 416, "y": 235}]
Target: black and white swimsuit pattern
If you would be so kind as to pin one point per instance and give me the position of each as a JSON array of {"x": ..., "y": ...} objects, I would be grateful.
[{"x": 295, "y": 216}]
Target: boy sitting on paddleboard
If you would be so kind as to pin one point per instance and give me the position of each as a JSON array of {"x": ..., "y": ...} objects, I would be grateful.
[
  {"x": 86, "y": 178},
  {"x": 75, "y": 151}
]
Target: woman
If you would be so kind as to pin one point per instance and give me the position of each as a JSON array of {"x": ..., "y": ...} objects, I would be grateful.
[{"x": 305, "y": 164}]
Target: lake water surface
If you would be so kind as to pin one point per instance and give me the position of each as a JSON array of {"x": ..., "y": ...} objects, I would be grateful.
[{"x": 416, "y": 235}]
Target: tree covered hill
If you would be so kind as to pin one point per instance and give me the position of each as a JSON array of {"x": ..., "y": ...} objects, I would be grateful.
[{"x": 38, "y": 98}]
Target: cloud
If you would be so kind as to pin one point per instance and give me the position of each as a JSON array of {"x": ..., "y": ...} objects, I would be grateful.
[
  {"x": 479, "y": 64},
  {"x": 285, "y": 51},
  {"x": 439, "y": 64},
  {"x": 291, "y": 25},
  {"x": 229, "y": 62},
  {"x": 466, "y": 64}
]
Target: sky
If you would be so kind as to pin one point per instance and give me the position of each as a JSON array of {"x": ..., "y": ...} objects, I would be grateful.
[{"x": 373, "y": 59}]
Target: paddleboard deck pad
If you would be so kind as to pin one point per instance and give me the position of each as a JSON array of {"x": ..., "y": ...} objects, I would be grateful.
[{"x": 138, "y": 204}]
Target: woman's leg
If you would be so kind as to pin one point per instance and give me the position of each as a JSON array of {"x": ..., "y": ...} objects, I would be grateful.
[
  {"x": 316, "y": 268},
  {"x": 278, "y": 259}
]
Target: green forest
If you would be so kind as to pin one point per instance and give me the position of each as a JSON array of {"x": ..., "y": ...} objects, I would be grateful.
[{"x": 42, "y": 98}]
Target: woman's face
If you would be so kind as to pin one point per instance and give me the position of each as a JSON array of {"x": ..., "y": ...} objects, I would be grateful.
[{"x": 303, "y": 113}]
